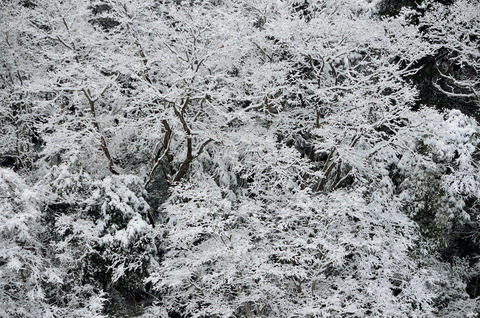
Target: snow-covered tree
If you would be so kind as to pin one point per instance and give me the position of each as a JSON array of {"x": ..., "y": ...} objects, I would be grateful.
[
  {"x": 23, "y": 268},
  {"x": 454, "y": 33},
  {"x": 17, "y": 117},
  {"x": 277, "y": 139},
  {"x": 100, "y": 236},
  {"x": 273, "y": 224}
]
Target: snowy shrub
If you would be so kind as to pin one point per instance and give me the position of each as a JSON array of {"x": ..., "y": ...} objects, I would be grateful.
[
  {"x": 22, "y": 263},
  {"x": 100, "y": 231}
]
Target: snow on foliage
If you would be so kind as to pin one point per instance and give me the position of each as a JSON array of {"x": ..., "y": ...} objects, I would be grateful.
[
  {"x": 100, "y": 232},
  {"x": 287, "y": 168},
  {"x": 454, "y": 32},
  {"x": 21, "y": 264}
]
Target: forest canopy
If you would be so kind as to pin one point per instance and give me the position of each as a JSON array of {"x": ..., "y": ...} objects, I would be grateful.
[{"x": 254, "y": 158}]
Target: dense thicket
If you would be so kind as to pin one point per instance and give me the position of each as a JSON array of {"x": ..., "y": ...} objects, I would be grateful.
[{"x": 239, "y": 158}]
